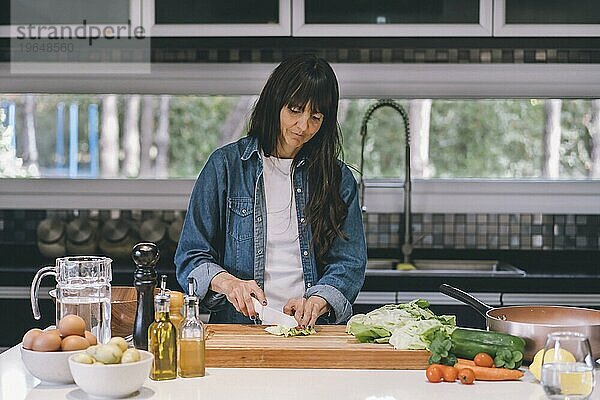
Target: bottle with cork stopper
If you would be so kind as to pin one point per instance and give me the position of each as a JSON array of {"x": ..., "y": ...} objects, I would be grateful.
[
  {"x": 162, "y": 338},
  {"x": 191, "y": 338}
]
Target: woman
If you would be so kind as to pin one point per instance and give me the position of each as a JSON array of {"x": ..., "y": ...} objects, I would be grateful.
[{"x": 275, "y": 215}]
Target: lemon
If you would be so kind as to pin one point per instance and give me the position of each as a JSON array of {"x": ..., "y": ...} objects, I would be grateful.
[
  {"x": 576, "y": 383},
  {"x": 536, "y": 365},
  {"x": 405, "y": 267}
]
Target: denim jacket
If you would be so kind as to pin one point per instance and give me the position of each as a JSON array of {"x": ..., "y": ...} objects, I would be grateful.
[{"x": 225, "y": 230}]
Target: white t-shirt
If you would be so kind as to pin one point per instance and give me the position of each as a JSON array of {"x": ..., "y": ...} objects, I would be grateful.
[{"x": 284, "y": 278}]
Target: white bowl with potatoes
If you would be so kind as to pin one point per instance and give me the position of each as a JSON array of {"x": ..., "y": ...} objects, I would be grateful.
[
  {"x": 46, "y": 353},
  {"x": 111, "y": 370}
]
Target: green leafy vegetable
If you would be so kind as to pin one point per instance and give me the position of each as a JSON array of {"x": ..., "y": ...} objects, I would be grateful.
[
  {"x": 508, "y": 359},
  {"x": 440, "y": 346},
  {"x": 367, "y": 333},
  {"x": 280, "y": 330},
  {"x": 404, "y": 326}
]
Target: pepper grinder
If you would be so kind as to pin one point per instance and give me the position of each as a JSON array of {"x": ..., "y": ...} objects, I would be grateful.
[{"x": 146, "y": 256}]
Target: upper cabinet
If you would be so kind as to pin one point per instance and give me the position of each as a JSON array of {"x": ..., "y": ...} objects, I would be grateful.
[
  {"x": 359, "y": 18},
  {"x": 546, "y": 18},
  {"x": 66, "y": 16},
  {"x": 341, "y": 18},
  {"x": 218, "y": 18}
]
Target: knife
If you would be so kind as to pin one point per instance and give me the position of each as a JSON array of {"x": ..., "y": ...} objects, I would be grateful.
[{"x": 272, "y": 316}]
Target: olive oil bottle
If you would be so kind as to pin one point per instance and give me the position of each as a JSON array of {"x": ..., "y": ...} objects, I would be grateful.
[
  {"x": 162, "y": 338},
  {"x": 191, "y": 338}
]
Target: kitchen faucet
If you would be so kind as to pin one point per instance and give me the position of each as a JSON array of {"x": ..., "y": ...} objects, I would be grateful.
[{"x": 407, "y": 246}]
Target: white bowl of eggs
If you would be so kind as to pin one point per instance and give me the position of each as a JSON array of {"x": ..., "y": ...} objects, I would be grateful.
[{"x": 46, "y": 353}]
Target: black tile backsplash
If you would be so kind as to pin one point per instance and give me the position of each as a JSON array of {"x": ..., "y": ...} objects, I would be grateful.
[
  {"x": 487, "y": 231},
  {"x": 386, "y": 230},
  {"x": 383, "y": 55},
  {"x": 441, "y": 50},
  {"x": 19, "y": 226}
]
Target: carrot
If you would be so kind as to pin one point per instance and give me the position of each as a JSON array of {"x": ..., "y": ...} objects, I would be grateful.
[{"x": 492, "y": 374}]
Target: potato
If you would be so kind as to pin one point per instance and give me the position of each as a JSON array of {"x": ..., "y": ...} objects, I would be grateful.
[
  {"x": 92, "y": 350},
  {"x": 130, "y": 355},
  {"x": 120, "y": 342},
  {"x": 108, "y": 354},
  {"x": 83, "y": 358}
]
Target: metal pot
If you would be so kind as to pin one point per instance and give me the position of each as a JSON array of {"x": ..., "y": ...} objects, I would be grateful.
[{"x": 534, "y": 323}]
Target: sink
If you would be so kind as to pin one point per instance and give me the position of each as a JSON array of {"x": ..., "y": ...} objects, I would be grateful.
[{"x": 474, "y": 268}]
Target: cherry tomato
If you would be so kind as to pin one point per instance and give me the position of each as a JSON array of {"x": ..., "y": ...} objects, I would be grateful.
[
  {"x": 483, "y": 360},
  {"x": 434, "y": 373},
  {"x": 466, "y": 376},
  {"x": 450, "y": 373}
]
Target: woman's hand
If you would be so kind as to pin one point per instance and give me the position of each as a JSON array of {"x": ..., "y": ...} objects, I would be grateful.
[
  {"x": 306, "y": 311},
  {"x": 239, "y": 292}
]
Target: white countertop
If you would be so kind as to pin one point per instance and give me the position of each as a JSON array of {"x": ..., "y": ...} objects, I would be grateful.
[{"x": 264, "y": 384}]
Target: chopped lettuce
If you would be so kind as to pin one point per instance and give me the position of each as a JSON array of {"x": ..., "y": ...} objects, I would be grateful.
[
  {"x": 280, "y": 330},
  {"x": 404, "y": 326}
]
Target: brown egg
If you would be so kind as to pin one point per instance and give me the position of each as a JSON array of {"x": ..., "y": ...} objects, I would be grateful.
[
  {"x": 71, "y": 325},
  {"x": 74, "y": 342},
  {"x": 54, "y": 331},
  {"x": 89, "y": 336},
  {"x": 47, "y": 341},
  {"x": 30, "y": 336}
]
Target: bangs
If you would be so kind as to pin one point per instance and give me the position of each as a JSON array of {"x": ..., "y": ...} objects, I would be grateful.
[{"x": 316, "y": 90}]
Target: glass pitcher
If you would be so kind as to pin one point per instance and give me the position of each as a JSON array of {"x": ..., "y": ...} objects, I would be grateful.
[{"x": 83, "y": 288}]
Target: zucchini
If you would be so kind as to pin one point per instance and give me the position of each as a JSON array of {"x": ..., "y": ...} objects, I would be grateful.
[
  {"x": 488, "y": 338},
  {"x": 466, "y": 343}
]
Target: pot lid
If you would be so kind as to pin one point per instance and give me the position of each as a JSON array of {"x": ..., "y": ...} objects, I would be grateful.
[
  {"x": 115, "y": 230},
  {"x": 80, "y": 230},
  {"x": 50, "y": 230}
]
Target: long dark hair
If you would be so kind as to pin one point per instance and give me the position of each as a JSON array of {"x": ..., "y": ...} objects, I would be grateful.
[{"x": 295, "y": 82}]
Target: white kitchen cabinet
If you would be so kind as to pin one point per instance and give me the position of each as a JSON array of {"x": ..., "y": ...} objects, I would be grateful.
[
  {"x": 355, "y": 18},
  {"x": 198, "y": 18},
  {"x": 546, "y": 18},
  {"x": 66, "y": 15}
]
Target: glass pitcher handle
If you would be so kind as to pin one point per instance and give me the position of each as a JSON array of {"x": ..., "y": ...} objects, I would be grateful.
[{"x": 35, "y": 287}]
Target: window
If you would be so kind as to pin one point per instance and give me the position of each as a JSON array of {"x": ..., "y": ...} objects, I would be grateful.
[
  {"x": 116, "y": 136},
  {"x": 110, "y": 136},
  {"x": 494, "y": 138}
]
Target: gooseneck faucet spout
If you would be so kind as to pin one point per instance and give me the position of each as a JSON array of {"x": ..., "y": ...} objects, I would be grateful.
[{"x": 407, "y": 245}]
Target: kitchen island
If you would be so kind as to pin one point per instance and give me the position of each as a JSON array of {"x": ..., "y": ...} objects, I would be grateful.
[{"x": 264, "y": 384}]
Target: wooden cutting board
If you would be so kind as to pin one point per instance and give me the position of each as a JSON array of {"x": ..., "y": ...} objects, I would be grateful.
[{"x": 249, "y": 346}]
